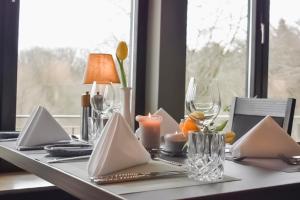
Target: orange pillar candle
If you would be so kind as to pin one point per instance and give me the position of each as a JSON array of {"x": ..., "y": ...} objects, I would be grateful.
[{"x": 150, "y": 131}]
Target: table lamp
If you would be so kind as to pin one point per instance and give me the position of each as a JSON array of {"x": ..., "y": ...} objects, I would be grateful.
[{"x": 100, "y": 69}]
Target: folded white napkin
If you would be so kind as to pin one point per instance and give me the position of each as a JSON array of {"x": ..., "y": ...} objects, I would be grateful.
[
  {"x": 266, "y": 139},
  {"x": 41, "y": 128},
  {"x": 117, "y": 148},
  {"x": 168, "y": 124}
]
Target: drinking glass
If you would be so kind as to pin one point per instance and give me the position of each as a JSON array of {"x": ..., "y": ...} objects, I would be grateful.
[
  {"x": 206, "y": 155},
  {"x": 102, "y": 102},
  {"x": 203, "y": 96},
  {"x": 102, "y": 98}
]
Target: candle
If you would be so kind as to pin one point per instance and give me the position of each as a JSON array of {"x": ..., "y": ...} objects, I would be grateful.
[
  {"x": 150, "y": 131},
  {"x": 174, "y": 142}
]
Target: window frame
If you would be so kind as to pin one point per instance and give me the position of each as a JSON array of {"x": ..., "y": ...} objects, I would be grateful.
[
  {"x": 9, "y": 26},
  {"x": 258, "y": 48}
]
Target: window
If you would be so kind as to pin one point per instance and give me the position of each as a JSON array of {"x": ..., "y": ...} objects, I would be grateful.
[
  {"x": 55, "y": 38},
  {"x": 217, "y": 44},
  {"x": 284, "y": 51}
]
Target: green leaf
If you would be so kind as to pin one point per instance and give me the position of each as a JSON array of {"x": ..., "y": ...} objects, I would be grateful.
[
  {"x": 123, "y": 75},
  {"x": 186, "y": 145},
  {"x": 227, "y": 108},
  {"x": 221, "y": 126}
]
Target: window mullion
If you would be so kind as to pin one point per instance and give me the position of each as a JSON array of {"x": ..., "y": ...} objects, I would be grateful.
[
  {"x": 258, "y": 48},
  {"x": 9, "y": 23}
]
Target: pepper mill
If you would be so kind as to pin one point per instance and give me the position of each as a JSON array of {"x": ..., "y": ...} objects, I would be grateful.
[{"x": 86, "y": 113}]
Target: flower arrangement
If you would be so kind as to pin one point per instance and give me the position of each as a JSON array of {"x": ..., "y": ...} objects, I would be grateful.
[
  {"x": 121, "y": 54},
  {"x": 189, "y": 125}
]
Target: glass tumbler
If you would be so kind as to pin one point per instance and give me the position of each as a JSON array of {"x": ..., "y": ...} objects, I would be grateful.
[{"x": 206, "y": 155}]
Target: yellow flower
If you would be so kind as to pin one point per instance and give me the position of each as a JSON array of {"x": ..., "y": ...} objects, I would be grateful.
[
  {"x": 122, "y": 50},
  {"x": 229, "y": 137}
]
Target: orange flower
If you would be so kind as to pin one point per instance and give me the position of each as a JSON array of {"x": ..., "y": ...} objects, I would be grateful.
[{"x": 188, "y": 126}]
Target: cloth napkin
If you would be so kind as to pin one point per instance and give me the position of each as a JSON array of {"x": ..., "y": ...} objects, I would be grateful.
[
  {"x": 168, "y": 124},
  {"x": 266, "y": 139},
  {"x": 41, "y": 128},
  {"x": 117, "y": 148}
]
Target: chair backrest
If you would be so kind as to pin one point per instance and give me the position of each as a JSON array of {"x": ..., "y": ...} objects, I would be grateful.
[{"x": 247, "y": 112}]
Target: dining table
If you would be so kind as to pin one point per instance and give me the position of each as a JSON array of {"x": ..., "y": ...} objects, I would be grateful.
[{"x": 72, "y": 177}]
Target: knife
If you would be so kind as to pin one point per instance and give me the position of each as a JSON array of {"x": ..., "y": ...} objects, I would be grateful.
[
  {"x": 8, "y": 139},
  {"x": 41, "y": 147},
  {"x": 58, "y": 160},
  {"x": 27, "y": 148},
  {"x": 126, "y": 177}
]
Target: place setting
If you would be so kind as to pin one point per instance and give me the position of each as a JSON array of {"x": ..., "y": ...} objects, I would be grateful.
[
  {"x": 43, "y": 138},
  {"x": 267, "y": 145}
]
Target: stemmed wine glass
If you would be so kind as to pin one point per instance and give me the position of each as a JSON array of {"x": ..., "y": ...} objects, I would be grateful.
[
  {"x": 102, "y": 98},
  {"x": 203, "y": 97},
  {"x": 102, "y": 101}
]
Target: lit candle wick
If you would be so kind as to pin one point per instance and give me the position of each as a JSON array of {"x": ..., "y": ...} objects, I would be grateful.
[{"x": 149, "y": 115}]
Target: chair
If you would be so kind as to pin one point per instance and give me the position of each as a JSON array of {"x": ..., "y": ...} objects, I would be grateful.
[{"x": 247, "y": 112}]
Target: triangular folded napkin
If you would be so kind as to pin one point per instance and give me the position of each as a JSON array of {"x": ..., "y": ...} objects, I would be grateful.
[
  {"x": 168, "y": 124},
  {"x": 266, "y": 139},
  {"x": 117, "y": 148},
  {"x": 41, "y": 128}
]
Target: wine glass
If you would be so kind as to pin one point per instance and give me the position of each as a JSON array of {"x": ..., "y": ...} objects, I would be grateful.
[
  {"x": 102, "y": 98},
  {"x": 102, "y": 101},
  {"x": 203, "y": 97},
  {"x": 109, "y": 99}
]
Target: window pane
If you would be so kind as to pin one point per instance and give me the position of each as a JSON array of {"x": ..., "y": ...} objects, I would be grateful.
[
  {"x": 55, "y": 39},
  {"x": 284, "y": 51},
  {"x": 217, "y": 45}
]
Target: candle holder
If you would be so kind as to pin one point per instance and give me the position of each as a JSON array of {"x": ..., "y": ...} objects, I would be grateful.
[
  {"x": 175, "y": 143},
  {"x": 150, "y": 132}
]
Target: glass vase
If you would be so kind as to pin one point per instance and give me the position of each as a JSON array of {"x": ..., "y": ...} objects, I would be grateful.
[{"x": 206, "y": 155}]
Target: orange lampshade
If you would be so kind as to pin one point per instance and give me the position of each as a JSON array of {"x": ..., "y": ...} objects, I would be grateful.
[{"x": 100, "y": 68}]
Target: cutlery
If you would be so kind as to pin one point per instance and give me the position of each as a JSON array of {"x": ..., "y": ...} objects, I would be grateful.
[
  {"x": 168, "y": 161},
  {"x": 41, "y": 147},
  {"x": 294, "y": 160},
  {"x": 25, "y": 148},
  {"x": 132, "y": 176},
  {"x": 58, "y": 160},
  {"x": 239, "y": 158},
  {"x": 69, "y": 148},
  {"x": 8, "y": 139},
  {"x": 250, "y": 157}
]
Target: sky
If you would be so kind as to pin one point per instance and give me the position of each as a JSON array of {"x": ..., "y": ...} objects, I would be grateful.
[
  {"x": 96, "y": 24},
  {"x": 73, "y": 23}
]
